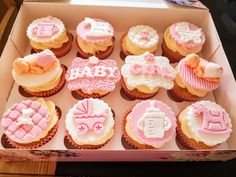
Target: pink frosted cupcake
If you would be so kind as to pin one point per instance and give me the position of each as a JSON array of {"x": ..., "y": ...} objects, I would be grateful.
[
  {"x": 93, "y": 77},
  {"x": 94, "y": 37},
  {"x": 149, "y": 125},
  {"x": 195, "y": 78},
  {"x": 30, "y": 124},
  {"x": 181, "y": 39}
]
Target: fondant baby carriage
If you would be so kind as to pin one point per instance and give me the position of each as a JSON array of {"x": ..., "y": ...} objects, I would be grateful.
[{"x": 87, "y": 120}]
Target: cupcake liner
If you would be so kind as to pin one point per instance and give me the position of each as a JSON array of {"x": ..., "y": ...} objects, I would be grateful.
[
  {"x": 128, "y": 139},
  {"x": 125, "y": 52},
  {"x": 60, "y": 52},
  {"x": 25, "y": 92},
  {"x": 72, "y": 145},
  {"x": 101, "y": 54},
  {"x": 181, "y": 94},
  {"x": 189, "y": 143},
  {"x": 85, "y": 95},
  {"x": 171, "y": 55},
  {"x": 135, "y": 93}
]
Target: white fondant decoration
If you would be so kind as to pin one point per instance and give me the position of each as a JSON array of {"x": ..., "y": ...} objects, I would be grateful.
[
  {"x": 93, "y": 60},
  {"x": 98, "y": 29},
  {"x": 213, "y": 70},
  {"x": 138, "y": 71},
  {"x": 143, "y": 36},
  {"x": 186, "y": 34},
  {"x": 154, "y": 123},
  {"x": 98, "y": 71},
  {"x": 25, "y": 118},
  {"x": 57, "y": 22}
]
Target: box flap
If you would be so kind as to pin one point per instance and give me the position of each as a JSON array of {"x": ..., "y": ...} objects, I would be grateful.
[{"x": 5, "y": 72}]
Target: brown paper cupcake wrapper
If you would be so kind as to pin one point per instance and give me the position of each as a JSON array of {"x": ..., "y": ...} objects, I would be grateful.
[
  {"x": 171, "y": 55},
  {"x": 93, "y": 95},
  {"x": 125, "y": 52},
  {"x": 60, "y": 52},
  {"x": 100, "y": 54},
  {"x": 25, "y": 92},
  {"x": 129, "y": 140},
  {"x": 181, "y": 94},
  {"x": 135, "y": 94},
  {"x": 73, "y": 145},
  {"x": 189, "y": 143}
]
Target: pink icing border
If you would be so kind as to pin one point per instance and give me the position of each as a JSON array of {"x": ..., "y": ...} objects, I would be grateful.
[
  {"x": 187, "y": 74},
  {"x": 137, "y": 113},
  {"x": 92, "y": 83},
  {"x": 80, "y": 31},
  {"x": 189, "y": 44}
]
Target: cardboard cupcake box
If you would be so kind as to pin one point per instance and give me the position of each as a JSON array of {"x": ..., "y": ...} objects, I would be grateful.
[{"x": 159, "y": 16}]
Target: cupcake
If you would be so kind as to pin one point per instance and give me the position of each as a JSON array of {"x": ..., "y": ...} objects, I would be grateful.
[
  {"x": 39, "y": 74},
  {"x": 181, "y": 39},
  {"x": 92, "y": 77},
  {"x": 139, "y": 39},
  {"x": 203, "y": 125},
  {"x": 143, "y": 75},
  {"x": 89, "y": 124},
  {"x": 49, "y": 33},
  {"x": 30, "y": 124},
  {"x": 149, "y": 125},
  {"x": 94, "y": 37},
  {"x": 195, "y": 78}
]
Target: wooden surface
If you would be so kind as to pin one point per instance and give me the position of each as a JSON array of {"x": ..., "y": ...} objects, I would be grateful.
[
  {"x": 10, "y": 5},
  {"x": 37, "y": 168}
]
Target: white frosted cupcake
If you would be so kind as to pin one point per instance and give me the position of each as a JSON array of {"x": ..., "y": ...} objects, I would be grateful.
[
  {"x": 89, "y": 124},
  {"x": 39, "y": 74},
  {"x": 49, "y": 33},
  {"x": 139, "y": 39},
  {"x": 203, "y": 125}
]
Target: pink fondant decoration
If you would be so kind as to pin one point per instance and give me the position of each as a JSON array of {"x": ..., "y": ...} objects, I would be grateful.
[
  {"x": 25, "y": 121},
  {"x": 144, "y": 35},
  {"x": 187, "y": 74},
  {"x": 137, "y": 113},
  {"x": 46, "y": 28},
  {"x": 214, "y": 122},
  {"x": 100, "y": 76},
  {"x": 98, "y": 128},
  {"x": 82, "y": 28},
  {"x": 190, "y": 44},
  {"x": 150, "y": 69},
  {"x": 149, "y": 57},
  {"x": 86, "y": 120},
  {"x": 43, "y": 59}
]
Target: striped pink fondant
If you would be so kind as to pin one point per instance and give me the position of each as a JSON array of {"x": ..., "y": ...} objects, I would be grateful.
[{"x": 186, "y": 73}]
